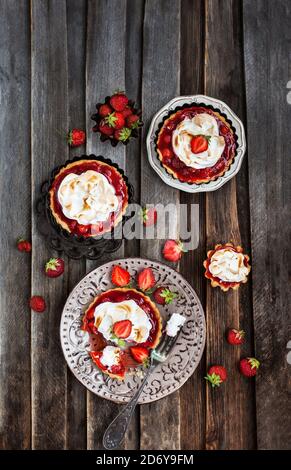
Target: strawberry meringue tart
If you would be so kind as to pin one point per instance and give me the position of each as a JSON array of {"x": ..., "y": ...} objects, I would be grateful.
[
  {"x": 128, "y": 325},
  {"x": 196, "y": 144},
  {"x": 88, "y": 197},
  {"x": 227, "y": 266}
]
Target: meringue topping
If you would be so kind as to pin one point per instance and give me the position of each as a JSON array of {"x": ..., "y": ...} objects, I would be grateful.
[
  {"x": 201, "y": 124},
  {"x": 110, "y": 356},
  {"x": 174, "y": 324},
  {"x": 228, "y": 265},
  {"x": 108, "y": 313},
  {"x": 88, "y": 198}
]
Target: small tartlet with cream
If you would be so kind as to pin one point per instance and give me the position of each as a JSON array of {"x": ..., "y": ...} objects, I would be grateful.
[{"x": 227, "y": 266}]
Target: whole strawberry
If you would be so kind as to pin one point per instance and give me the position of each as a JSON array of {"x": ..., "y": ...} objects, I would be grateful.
[
  {"x": 104, "y": 110},
  {"x": 216, "y": 375},
  {"x": 115, "y": 120},
  {"x": 37, "y": 303},
  {"x": 104, "y": 128},
  {"x": 118, "y": 101},
  {"x": 173, "y": 250},
  {"x": 76, "y": 137},
  {"x": 23, "y": 245},
  {"x": 55, "y": 267},
  {"x": 122, "y": 134},
  {"x": 248, "y": 366},
  {"x": 164, "y": 296},
  {"x": 132, "y": 121},
  {"x": 235, "y": 337}
]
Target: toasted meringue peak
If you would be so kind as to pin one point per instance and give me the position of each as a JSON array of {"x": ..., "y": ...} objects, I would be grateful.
[
  {"x": 108, "y": 313},
  {"x": 110, "y": 356},
  {"x": 88, "y": 198},
  {"x": 200, "y": 124},
  {"x": 228, "y": 265}
]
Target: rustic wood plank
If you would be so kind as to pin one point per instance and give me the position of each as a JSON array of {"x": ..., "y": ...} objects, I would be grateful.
[
  {"x": 133, "y": 80},
  {"x": 49, "y": 113},
  {"x": 76, "y": 433},
  {"x": 192, "y": 394},
  {"x": 105, "y": 73},
  {"x": 161, "y": 65},
  {"x": 223, "y": 79},
  {"x": 267, "y": 37},
  {"x": 15, "y": 272}
]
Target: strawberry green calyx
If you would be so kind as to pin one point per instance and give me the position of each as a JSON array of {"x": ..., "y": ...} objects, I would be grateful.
[
  {"x": 124, "y": 134},
  {"x": 168, "y": 295},
  {"x": 214, "y": 379},
  {"x": 254, "y": 363},
  {"x": 181, "y": 246},
  {"x": 52, "y": 264},
  {"x": 111, "y": 119}
]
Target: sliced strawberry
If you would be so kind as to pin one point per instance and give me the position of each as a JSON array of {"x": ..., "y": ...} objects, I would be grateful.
[
  {"x": 139, "y": 354},
  {"x": 164, "y": 296},
  {"x": 149, "y": 216},
  {"x": 146, "y": 279},
  {"x": 119, "y": 276},
  {"x": 199, "y": 143},
  {"x": 173, "y": 250},
  {"x": 122, "y": 329},
  {"x": 104, "y": 110},
  {"x": 119, "y": 101},
  {"x": 96, "y": 355}
]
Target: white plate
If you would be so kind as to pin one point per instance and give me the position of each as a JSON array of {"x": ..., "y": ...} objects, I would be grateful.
[
  {"x": 162, "y": 172},
  {"x": 168, "y": 376}
]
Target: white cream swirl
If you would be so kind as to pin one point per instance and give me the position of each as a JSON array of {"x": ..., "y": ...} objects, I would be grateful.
[
  {"x": 200, "y": 124},
  {"x": 228, "y": 265},
  {"x": 110, "y": 356},
  {"x": 108, "y": 313},
  {"x": 88, "y": 198}
]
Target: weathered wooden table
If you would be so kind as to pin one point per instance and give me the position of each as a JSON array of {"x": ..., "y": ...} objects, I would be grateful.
[{"x": 57, "y": 60}]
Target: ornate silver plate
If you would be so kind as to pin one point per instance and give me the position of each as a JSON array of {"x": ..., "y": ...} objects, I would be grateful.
[
  {"x": 162, "y": 172},
  {"x": 168, "y": 376}
]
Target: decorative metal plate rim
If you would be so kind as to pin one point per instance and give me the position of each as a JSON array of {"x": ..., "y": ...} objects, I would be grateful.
[
  {"x": 192, "y": 363},
  {"x": 203, "y": 187}
]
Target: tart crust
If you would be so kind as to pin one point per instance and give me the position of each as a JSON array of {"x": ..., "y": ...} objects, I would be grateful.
[
  {"x": 175, "y": 174},
  {"x": 61, "y": 222},
  {"x": 215, "y": 281},
  {"x": 107, "y": 372},
  {"x": 147, "y": 300}
]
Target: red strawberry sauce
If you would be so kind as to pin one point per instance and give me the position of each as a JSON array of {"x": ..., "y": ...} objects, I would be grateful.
[
  {"x": 184, "y": 172},
  {"x": 113, "y": 177},
  {"x": 117, "y": 295}
]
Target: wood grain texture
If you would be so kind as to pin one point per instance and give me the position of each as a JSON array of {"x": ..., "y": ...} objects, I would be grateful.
[
  {"x": 76, "y": 432},
  {"x": 49, "y": 113},
  {"x": 223, "y": 79},
  {"x": 133, "y": 81},
  {"x": 105, "y": 73},
  {"x": 267, "y": 37},
  {"x": 15, "y": 272},
  {"x": 192, "y": 394},
  {"x": 161, "y": 65}
]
